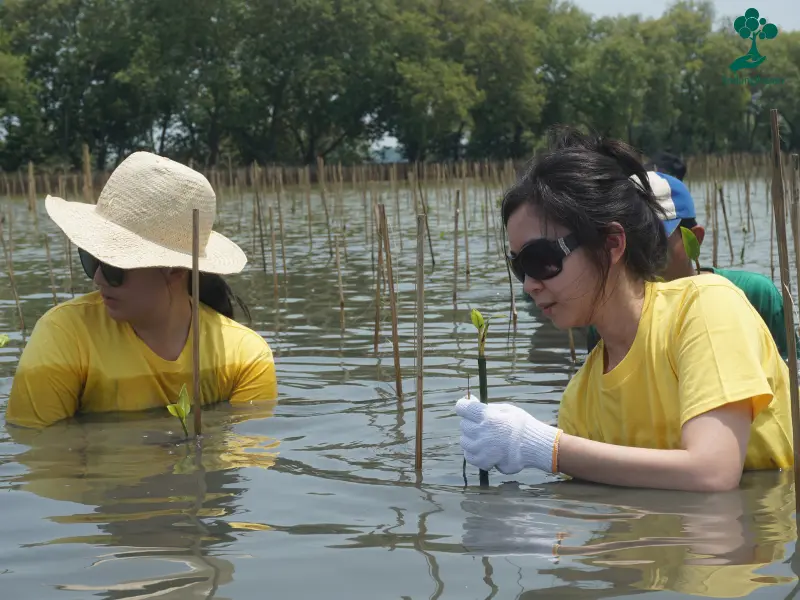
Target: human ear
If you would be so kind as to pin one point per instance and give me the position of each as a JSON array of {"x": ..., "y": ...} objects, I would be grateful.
[
  {"x": 615, "y": 242},
  {"x": 700, "y": 233}
]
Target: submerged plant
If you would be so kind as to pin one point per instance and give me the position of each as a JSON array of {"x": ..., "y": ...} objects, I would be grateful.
[
  {"x": 691, "y": 246},
  {"x": 181, "y": 408}
]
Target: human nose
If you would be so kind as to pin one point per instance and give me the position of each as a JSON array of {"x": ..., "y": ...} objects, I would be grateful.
[
  {"x": 532, "y": 286},
  {"x": 98, "y": 278}
]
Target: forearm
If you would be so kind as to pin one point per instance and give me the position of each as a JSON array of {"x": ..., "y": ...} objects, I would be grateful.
[{"x": 638, "y": 467}]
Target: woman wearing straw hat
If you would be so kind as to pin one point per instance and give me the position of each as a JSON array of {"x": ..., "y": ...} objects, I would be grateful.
[{"x": 127, "y": 346}]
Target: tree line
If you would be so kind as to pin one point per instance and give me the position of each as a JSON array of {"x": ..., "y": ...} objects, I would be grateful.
[{"x": 285, "y": 81}]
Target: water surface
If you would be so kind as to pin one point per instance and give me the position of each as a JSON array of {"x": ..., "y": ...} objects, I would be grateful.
[{"x": 316, "y": 495}]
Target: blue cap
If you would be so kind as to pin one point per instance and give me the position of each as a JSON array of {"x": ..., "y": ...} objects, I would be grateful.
[{"x": 674, "y": 197}]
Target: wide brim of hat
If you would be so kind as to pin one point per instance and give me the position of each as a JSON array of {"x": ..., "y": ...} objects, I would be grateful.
[{"x": 119, "y": 247}]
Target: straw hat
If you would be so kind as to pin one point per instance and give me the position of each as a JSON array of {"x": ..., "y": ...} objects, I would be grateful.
[{"x": 143, "y": 218}]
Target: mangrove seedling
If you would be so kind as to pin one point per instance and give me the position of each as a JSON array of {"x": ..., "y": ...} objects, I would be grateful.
[
  {"x": 181, "y": 408},
  {"x": 4, "y": 339},
  {"x": 482, "y": 326},
  {"x": 691, "y": 246}
]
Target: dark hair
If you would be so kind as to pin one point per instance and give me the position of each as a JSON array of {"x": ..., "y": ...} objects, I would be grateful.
[
  {"x": 217, "y": 294},
  {"x": 582, "y": 182},
  {"x": 670, "y": 164}
]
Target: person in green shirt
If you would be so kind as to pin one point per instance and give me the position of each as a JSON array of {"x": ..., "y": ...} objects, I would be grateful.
[{"x": 763, "y": 294}]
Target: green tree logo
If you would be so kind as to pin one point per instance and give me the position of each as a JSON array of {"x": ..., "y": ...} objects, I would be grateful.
[{"x": 751, "y": 27}]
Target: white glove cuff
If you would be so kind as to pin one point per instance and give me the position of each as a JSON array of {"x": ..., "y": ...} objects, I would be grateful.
[{"x": 539, "y": 447}]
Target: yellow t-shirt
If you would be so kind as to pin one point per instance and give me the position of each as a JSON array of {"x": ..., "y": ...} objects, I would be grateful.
[
  {"x": 700, "y": 345},
  {"x": 80, "y": 360}
]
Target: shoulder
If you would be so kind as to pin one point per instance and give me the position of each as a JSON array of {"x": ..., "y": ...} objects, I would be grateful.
[
  {"x": 72, "y": 313},
  {"x": 692, "y": 289},
  {"x": 238, "y": 339},
  {"x": 757, "y": 287}
]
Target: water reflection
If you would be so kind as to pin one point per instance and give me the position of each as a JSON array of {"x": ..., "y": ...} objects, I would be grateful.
[
  {"x": 645, "y": 540},
  {"x": 158, "y": 501}
]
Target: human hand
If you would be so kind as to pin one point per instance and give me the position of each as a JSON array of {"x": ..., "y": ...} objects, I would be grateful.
[{"x": 505, "y": 437}]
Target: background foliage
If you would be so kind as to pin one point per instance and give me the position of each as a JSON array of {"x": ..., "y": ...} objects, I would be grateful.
[{"x": 287, "y": 80}]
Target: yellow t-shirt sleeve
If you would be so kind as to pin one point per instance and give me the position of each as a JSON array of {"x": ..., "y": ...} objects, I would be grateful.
[
  {"x": 49, "y": 378},
  {"x": 256, "y": 380},
  {"x": 718, "y": 352}
]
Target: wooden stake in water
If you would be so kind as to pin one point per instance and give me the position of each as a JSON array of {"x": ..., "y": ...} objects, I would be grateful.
[
  {"x": 339, "y": 276},
  {"x": 10, "y": 269},
  {"x": 725, "y": 218},
  {"x": 378, "y": 278},
  {"x": 715, "y": 228},
  {"x": 50, "y": 269},
  {"x": 455, "y": 249},
  {"x": 260, "y": 219},
  {"x": 31, "y": 188},
  {"x": 280, "y": 222},
  {"x": 788, "y": 313},
  {"x": 420, "y": 333},
  {"x": 198, "y": 426},
  {"x": 273, "y": 252},
  {"x": 392, "y": 301},
  {"x": 795, "y": 215},
  {"x": 464, "y": 207},
  {"x": 88, "y": 192},
  {"x": 482, "y": 326},
  {"x": 572, "y": 346},
  {"x": 321, "y": 181}
]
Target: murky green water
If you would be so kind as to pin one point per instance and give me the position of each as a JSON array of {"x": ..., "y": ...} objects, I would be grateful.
[{"x": 317, "y": 496}]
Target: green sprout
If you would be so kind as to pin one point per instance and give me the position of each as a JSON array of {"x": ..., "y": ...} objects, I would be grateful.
[
  {"x": 482, "y": 325},
  {"x": 4, "y": 339},
  {"x": 691, "y": 246},
  {"x": 181, "y": 408}
]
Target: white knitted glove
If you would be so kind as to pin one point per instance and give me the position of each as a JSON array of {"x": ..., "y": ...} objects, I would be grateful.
[{"x": 504, "y": 436}]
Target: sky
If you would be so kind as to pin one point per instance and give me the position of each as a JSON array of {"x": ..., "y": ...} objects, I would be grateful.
[{"x": 784, "y": 13}]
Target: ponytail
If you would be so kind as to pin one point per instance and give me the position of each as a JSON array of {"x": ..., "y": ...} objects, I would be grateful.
[{"x": 217, "y": 294}]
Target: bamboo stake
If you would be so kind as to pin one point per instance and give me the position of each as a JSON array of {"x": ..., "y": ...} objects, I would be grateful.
[
  {"x": 339, "y": 275},
  {"x": 788, "y": 313},
  {"x": 794, "y": 171},
  {"x": 420, "y": 334},
  {"x": 321, "y": 181},
  {"x": 378, "y": 277},
  {"x": 423, "y": 196},
  {"x": 725, "y": 218},
  {"x": 307, "y": 177},
  {"x": 50, "y": 269},
  {"x": 69, "y": 264},
  {"x": 280, "y": 222},
  {"x": 464, "y": 206},
  {"x": 392, "y": 301},
  {"x": 10, "y": 270},
  {"x": 715, "y": 230},
  {"x": 274, "y": 253},
  {"x": 198, "y": 426},
  {"x": 572, "y": 345},
  {"x": 31, "y": 188},
  {"x": 88, "y": 192},
  {"x": 455, "y": 248},
  {"x": 260, "y": 219}
]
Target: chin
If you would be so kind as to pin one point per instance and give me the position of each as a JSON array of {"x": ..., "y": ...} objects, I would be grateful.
[{"x": 115, "y": 313}]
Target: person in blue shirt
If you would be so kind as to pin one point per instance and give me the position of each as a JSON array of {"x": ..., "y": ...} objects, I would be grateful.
[{"x": 763, "y": 294}]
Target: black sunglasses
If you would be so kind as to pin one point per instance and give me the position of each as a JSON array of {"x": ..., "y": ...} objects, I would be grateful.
[
  {"x": 542, "y": 259},
  {"x": 113, "y": 275}
]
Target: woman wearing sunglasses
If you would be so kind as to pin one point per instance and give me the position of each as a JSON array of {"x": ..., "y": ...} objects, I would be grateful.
[
  {"x": 686, "y": 389},
  {"x": 127, "y": 346}
]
